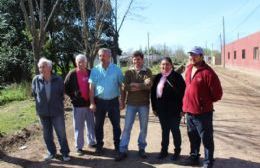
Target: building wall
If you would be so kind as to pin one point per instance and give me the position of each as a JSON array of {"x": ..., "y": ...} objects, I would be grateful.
[
  {"x": 216, "y": 60},
  {"x": 247, "y": 43}
]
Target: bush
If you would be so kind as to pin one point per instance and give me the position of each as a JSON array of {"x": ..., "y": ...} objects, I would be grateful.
[{"x": 15, "y": 92}]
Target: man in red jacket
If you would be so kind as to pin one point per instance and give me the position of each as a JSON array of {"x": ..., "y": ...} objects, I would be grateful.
[{"x": 202, "y": 89}]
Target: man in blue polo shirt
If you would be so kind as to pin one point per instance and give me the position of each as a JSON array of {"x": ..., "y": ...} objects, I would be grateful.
[{"x": 105, "y": 88}]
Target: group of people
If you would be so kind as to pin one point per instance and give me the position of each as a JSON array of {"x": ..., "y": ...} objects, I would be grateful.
[{"x": 105, "y": 90}]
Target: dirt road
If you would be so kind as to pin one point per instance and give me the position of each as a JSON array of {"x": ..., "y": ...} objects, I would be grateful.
[{"x": 237, "y": 135}]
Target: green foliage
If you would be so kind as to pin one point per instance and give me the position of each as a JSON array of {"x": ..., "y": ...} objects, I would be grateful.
[
  {"x": 15, "y": 57},
  {"x": 124, "y": 69},
  {"x": 63, "y": 38},
  {"x": 155, "y": 69},
  {"x": 15, "y": 92},
  {"x": 16, "y": 116}
]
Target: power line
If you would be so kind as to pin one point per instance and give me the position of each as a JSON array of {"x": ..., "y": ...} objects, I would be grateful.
[{"x": 247, "y": 17}]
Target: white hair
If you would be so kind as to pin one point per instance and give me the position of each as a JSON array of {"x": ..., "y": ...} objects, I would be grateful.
[
  {"x": 44, "y": 60},
  {"x": 104, "y": 50},
  {"x": 80, "y": 57}
]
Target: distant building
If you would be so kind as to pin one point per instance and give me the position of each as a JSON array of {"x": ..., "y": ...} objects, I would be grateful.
[
  {"x": 243, "y": 53},
  {"x": 216, "y": 60},
  {"x": 207, "y": 59}
]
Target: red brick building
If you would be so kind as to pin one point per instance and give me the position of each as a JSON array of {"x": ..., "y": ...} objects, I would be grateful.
[{"x": 244, "y": 53}]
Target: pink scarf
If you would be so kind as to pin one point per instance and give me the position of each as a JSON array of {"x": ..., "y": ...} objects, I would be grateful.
[{"x": 160, "y": 86}]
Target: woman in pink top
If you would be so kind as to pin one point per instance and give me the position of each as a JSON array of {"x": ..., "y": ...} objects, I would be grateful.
[{"x": 77, "y": 88}]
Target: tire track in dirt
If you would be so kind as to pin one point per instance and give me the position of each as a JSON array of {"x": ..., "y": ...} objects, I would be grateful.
[{"x": 240, "y": 125}]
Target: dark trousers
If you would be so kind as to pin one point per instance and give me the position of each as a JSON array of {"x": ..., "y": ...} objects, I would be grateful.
[
  {"x": 200, "y": 127},
  {"x": 112, "y": 107},
  {"x": 58, "y": 123},
  {"x": 169, "y": 123}
]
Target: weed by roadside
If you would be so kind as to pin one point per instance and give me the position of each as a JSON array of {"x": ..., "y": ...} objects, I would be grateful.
[
  {"x": 17, "y": 115},
  {"x": 15, "y": 92}
]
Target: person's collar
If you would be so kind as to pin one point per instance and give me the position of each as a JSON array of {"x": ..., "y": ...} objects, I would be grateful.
[
  {"x": 109, "y": 64},
  {"x": 167, "y": 73},
  {"x": 51, "y": 77},
  {"x": 142, "y": 69},
  {"x": 78, "y": 70},
  {"x": 200, "y": 65}
]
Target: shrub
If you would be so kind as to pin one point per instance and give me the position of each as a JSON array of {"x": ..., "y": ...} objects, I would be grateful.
[{"x": 15, "y": 92}]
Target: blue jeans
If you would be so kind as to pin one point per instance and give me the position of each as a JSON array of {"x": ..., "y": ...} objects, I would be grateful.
[
  {"x": 58, "y": 123},
  {"x": 143, "y": 113},
  {"x": 112, "y": 108},
  {"x": 83, "y": 117},
  {"x": 200, "y": 127}
]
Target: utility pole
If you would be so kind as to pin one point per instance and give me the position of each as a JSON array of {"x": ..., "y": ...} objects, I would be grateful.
[
  {"x": 211, "y": 53},
  {"x": 164, "y": 50},
  {"x": 211, "y": 49},
  {"x": 224, "y": 44},
  {"x": 148, "y": 49},
  {"x": 220, "y": 40}
]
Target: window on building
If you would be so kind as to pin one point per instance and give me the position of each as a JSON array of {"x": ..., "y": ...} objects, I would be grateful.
[
  {"x": 243, "y": 54},
  {"x": 256, "y": 53},
  {"x": 235, "y": 54},
  {"x": 228, "y": 55}
]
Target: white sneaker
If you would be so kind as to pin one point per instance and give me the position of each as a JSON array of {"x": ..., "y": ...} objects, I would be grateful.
[
  {"x": 66, "y": 158},
  {"x": 49, "y": 157}
]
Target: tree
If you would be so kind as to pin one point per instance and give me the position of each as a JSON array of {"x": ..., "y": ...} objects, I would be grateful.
[
  {"x": 15, "y": 55},
  {"x": 64, "y": 37},
  {"x": 179, "y": 55},
  {"x": 37, "y": 23},
  {"x": 117, "y": 27},
  {"x": 95, "y": 21}
]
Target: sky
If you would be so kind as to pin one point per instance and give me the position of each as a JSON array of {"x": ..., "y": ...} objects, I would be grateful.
[{"x": 187, "y": 23}]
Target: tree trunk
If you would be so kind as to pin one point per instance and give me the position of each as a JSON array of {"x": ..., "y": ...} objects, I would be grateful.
[
  {"x": 115, "y": 48},
  {"x": 36, "y": 53}
]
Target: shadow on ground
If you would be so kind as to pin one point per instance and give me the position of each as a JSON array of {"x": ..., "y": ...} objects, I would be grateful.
[{"x": 92, "y": 161}]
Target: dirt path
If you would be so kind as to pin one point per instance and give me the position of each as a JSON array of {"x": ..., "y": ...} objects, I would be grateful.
[{"x": 237, "y": 135}]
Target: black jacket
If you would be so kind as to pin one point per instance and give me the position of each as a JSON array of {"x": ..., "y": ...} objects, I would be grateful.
[
  {"x": 173, "y": 91},
  {"x": 73, "y": 91}
]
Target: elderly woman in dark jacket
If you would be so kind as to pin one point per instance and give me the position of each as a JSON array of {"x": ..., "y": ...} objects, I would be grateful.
[
  {"x": 166, "y": 96},
  {"x": 48, "y": 91}
]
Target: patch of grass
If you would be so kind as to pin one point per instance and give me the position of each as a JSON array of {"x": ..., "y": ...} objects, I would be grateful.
[
  {"x": 16, "y": 116},
  {"x": 15, "y": 92}
]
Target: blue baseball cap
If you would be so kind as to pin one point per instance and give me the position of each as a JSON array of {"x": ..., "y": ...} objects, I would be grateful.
[{"x": 197, "y": 50}]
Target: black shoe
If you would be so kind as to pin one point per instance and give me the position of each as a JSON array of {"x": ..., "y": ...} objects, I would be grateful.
[
  {"x": 121, "y": 156},
  {"x": 80, "y": 152},
  {"x": 192, "y": 161},
  {"x": 142, "y": 154},
  {"x": 175, "y": 156},
  {"x": 99, "y": 151},
  {"x": 162, "y": 155},
  {"x": 92, "y": 146},
  {"x": 116, "y": 148}
]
